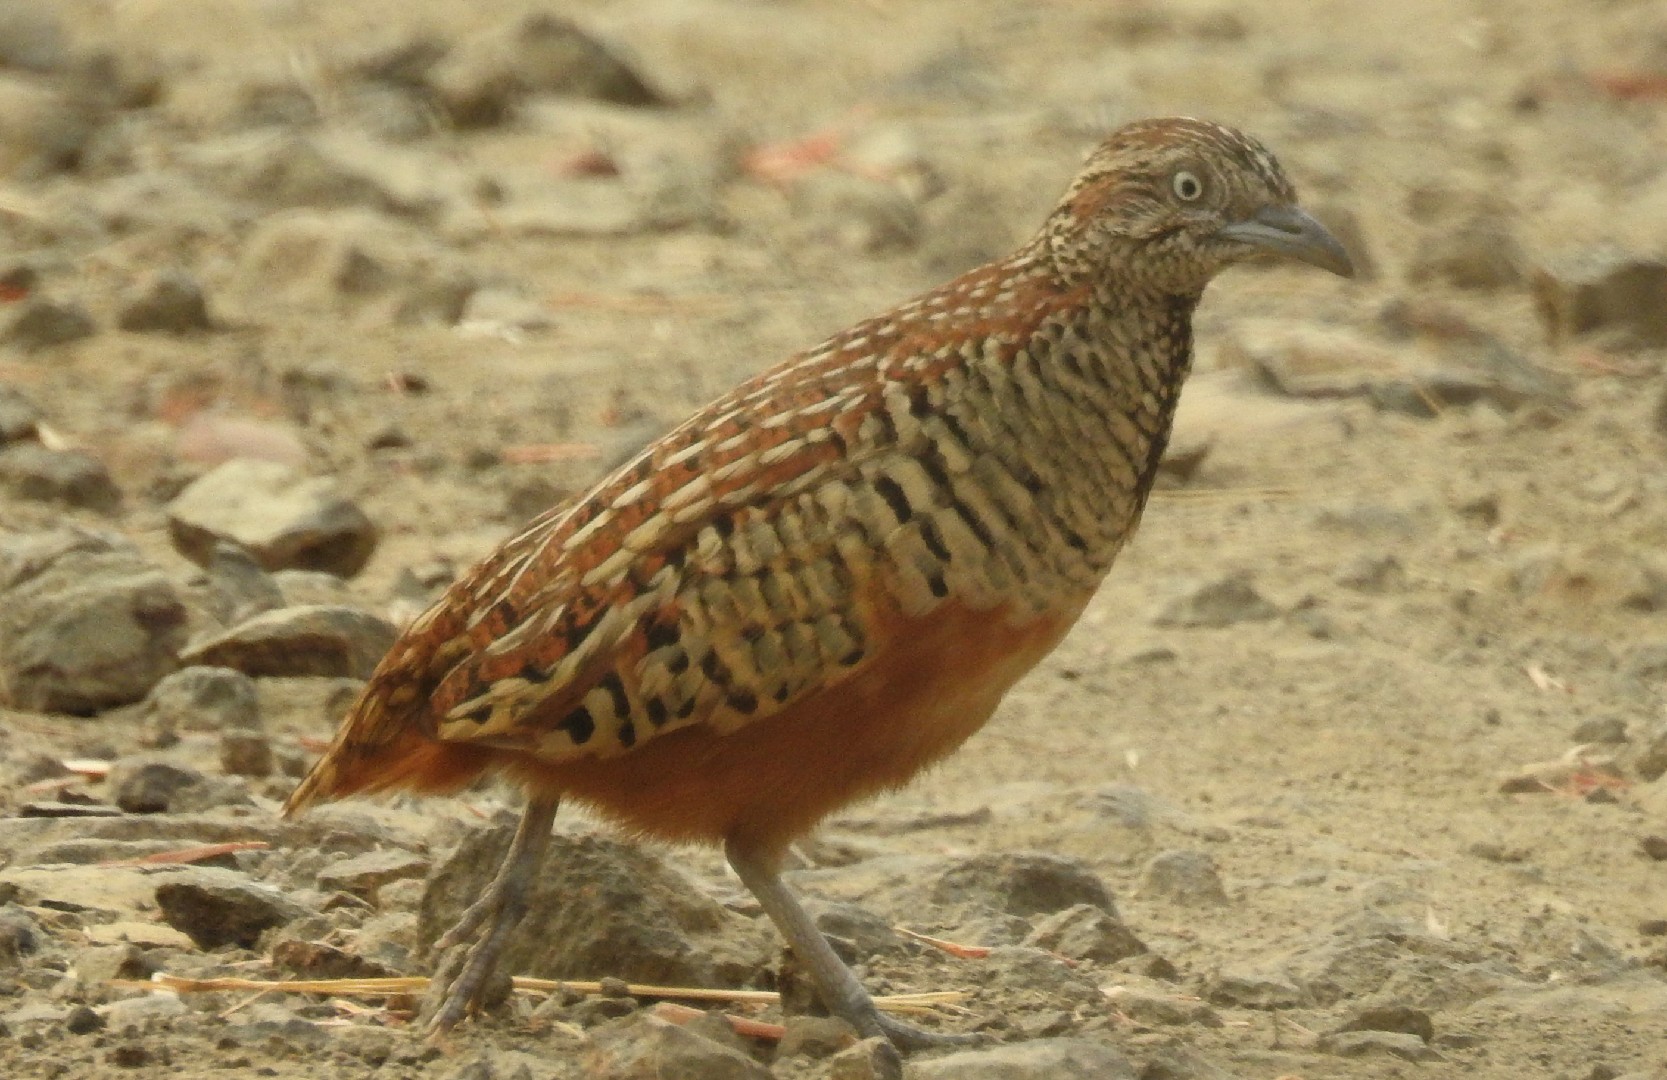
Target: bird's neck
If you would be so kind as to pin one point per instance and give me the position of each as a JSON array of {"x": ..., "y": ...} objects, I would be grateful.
[{"x": 1091, "y": 400}]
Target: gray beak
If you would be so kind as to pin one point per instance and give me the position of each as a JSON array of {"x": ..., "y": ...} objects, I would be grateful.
[{"x": 1292, "y": 233}]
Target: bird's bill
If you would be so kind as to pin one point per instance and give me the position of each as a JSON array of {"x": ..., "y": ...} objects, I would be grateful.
[{"x": 1291, "y": 232}]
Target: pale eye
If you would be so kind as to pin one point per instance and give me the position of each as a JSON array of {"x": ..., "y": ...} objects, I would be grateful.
[{"x": 1188, "y": 188}]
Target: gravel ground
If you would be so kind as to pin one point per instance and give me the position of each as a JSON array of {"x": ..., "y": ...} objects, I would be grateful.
[{"x": 1353, "y": 769}]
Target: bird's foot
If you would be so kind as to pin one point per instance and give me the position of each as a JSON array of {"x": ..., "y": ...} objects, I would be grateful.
[
  {"x": 469, "y": 951},
  {"x": 469, "y": 955},
  {"x": 908, "y": 1039}
]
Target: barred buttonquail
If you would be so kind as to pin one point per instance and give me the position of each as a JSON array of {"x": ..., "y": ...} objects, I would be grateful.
[{"x": 829, "y": 577}]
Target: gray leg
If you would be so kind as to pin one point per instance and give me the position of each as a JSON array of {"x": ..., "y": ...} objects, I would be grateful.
[
  {"x": 458, "y": 980},
  {"x": 839, "y": 988}
]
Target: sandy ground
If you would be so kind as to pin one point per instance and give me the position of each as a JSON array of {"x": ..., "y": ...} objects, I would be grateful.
[{"x": 1459, "y": 588}]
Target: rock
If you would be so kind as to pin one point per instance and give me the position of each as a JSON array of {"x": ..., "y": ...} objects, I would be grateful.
[
  {"x": 203, "y": 698},
  {"x": 814, "y": 1037},
  {"x": 41, "y": 323},
  {"x": 83, "y": 1021},
  {"x": 1299, "y": 360},
  {"x": 1022, "y": 884},
  {"x": 43, "y": 129},
  {"x": 172, "y": 302},
  {"x": 281, "y": 518},
  {"x": 1377, "y": 1043},
  {"x": 1369, "y": 573},
  {"x": 311, "y": 640},
  {"x": 870, "y": 1059},
  {"x": 317, "y": 960},
  {"x": 1084, "y": 932},
  {"x": 300, "y": 588},
  {"x": 1253, "y": 990},
  {"x": 71, "y": 477},
  {"x": 364, "y": 875},
  {"x": 246, "y": 753},
  {"x": 644, "y": 1047},
  {"x": 1482, "y": 253},
  {"x": 1610, "y": 730},
  {"x": 862, "y": 213},
  {"x": 214, "y": 439},
  {"x": 867, "y": 932},
  {"x": 1183, "y": 877},
  {"x": 481, "y": 83},
  {"x": 1222, "y": 602},
  {"x": 19, "y": 418},
  {"x": 82, "y": 630},
  {"x": 1605, "y": 291},
  {"x": 148, "y": 785},
  {"x": 31, "y": 40},
  {"x": 599, "y": 905},
  {"x": 350, "y": 261},
  {"x": 1651, "y": 762},
  {"x": 1169, "y": 1010},
  {"x": 223, "y": 907},
  {"x": 1398, "y": 1018},
  {"x": 1038, "y": 1059}
]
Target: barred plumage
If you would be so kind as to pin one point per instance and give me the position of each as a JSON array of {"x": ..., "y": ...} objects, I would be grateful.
[{"x": 830, "y": 576}]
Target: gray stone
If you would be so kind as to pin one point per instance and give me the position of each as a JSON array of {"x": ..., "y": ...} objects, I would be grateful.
[
  {"x": 19, "y": 418},
  {"x": 1370, "y": 573},
  {"x": 1610, "y": 730},
  {"x": 481, "y": 83},
  {"x": 600, "y": 905},
  {"x": 1022, "y": 884},
  {"x": 281, "y": 518},
  {"x": 1149, "y": 1007},
  {"x": 41, "y": 323},
  {"x": 70, "y": 477},
  {"x": 365, "y": 875},
  {"x": 642, "y": 1045},
  {"x": 313, "y": 640},
  {"x": 1482, "y": 253},
  {"x": 204, "y": 698},
  {"x": 1222, "y": 602},
  {"x": 1084, "y": 932},
  {"x": 870, "y": 1059},
  {"x": 1651, "y": 762},
  {"x": 1377, "y": 1043},
  {"x": 172, "y": 302},
  {"x": 1398, "y": 1018},
  {"x": 1038, "y": 1059},
  {"x": 814, "y": 1037},
  {"x": 1253, "y": 990},
  {"x": 861, "y": 213},
  {"x": 1606, "y": 291},
  {"x": 222, "y": 907},
  {"x": 82, "y": 630},
  {"x": 148, "y": 784},
  {"x": 246, "y": 753},
  {"x": 1183, "y": 877}
]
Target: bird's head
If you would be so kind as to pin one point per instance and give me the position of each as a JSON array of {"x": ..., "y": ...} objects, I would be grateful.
[{"x": 1167, "y": 204}]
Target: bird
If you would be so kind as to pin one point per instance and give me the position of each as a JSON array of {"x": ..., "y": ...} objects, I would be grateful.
[{"x": 828, "y": 578}]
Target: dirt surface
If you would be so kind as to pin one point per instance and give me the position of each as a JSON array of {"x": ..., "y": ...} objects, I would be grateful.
[{"x": 1364, "y": 732}]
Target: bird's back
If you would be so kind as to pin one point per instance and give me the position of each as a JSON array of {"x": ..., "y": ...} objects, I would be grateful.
[{"x": 945, "y": 485}]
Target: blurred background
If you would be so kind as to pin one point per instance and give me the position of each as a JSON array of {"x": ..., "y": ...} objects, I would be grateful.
[{"x": 306, "y": 305}]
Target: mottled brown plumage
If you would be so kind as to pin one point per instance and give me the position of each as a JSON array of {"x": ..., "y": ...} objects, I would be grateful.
[{"x": 829, "y": 577}]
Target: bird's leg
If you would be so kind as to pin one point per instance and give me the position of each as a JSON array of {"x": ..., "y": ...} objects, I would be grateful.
[
  {"x": 463, "y": 972},
  {"x": 840, "y": 990}
]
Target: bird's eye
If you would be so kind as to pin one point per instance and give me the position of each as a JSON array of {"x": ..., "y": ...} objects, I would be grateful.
[{"x": 1188, "y": 188}]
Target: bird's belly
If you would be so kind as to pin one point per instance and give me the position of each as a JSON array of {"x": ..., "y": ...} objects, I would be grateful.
[{"x": 936, "y": 681}]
